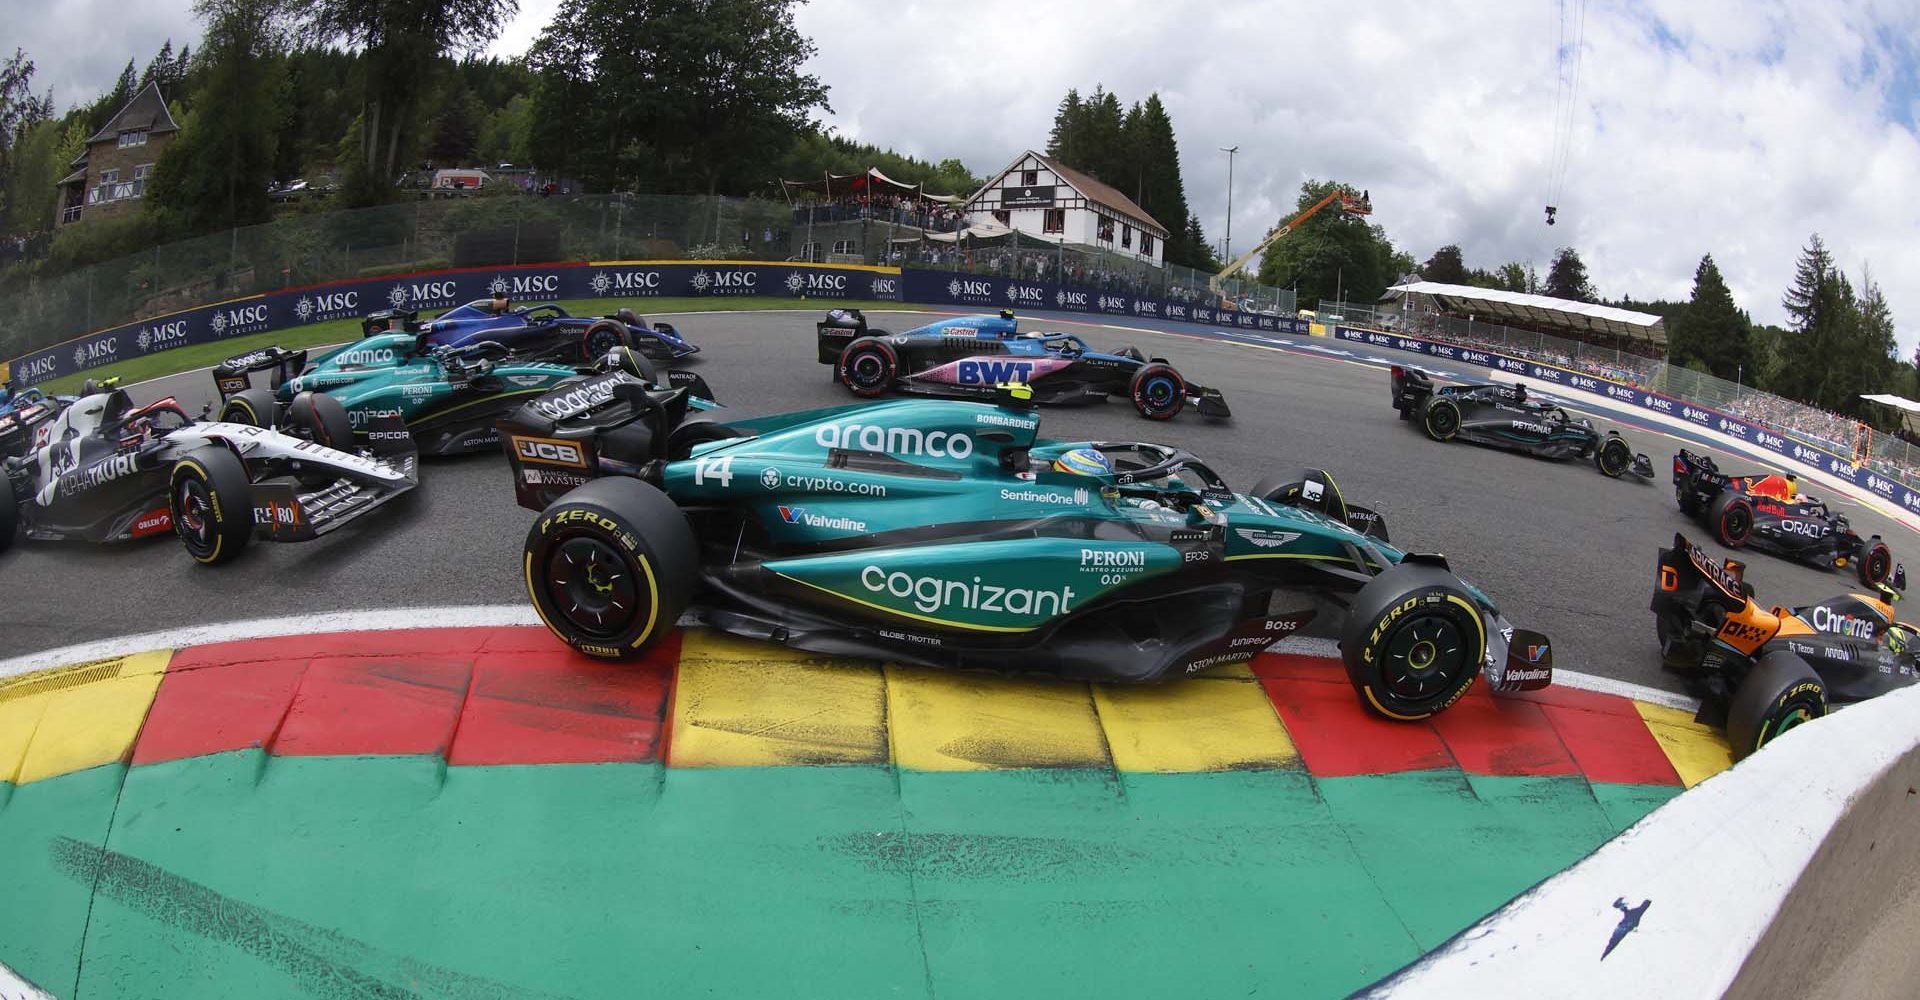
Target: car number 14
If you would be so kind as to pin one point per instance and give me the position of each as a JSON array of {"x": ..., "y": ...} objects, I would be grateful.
[{"x": 720, "y": 470}]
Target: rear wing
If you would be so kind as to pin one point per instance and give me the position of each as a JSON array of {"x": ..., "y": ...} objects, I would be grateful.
[
  {"x": 840, "y": 328},
  {"x": 235, "y": 375},
  {"x": 1690, "y": 577},
  {"x": 390, "y": 321},
  {"x": 1411, "y": 388}
]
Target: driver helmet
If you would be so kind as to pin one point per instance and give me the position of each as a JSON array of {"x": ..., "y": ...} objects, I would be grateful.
[
  {"x": 1519, "y": 392},
  {"x": 1006, "y": 314},
  {"x": 1083, "y": 462},
  {"x": 498, "y": 305}
]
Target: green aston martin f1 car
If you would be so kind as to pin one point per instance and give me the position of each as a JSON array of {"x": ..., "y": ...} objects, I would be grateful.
[{"x": 951, "y": 534}]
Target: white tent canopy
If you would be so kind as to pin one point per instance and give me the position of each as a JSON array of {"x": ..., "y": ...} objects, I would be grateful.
[
  {"x": 1537, "y": 311},
  {"x": 1890, "y": 399}
]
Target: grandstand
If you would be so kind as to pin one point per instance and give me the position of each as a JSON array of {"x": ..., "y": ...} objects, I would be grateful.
[{"x": 1423, "y": 302}]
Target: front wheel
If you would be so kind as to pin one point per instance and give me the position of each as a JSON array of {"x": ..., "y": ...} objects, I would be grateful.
[
  {"x": 1613, "y": 458},
  {"x": 1875, "y": 564},
  {"x": 1414, "y": 642},
  {"x": 868, "y": 367},
  {"x": 9, "y": 514},
  {"x": 610, "y": 566},
  {"x": 1440, "y": 418},
  {"x": 1780, "y": 692},
  {"x": 1158, "y": 391},
  {"x": 211, "y": 501}
]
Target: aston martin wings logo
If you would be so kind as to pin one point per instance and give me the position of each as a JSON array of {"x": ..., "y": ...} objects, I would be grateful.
[{"x": 1267, "y": 539}]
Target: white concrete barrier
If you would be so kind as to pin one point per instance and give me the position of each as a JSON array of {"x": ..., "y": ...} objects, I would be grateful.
[{"x": 1793, "y": 874}]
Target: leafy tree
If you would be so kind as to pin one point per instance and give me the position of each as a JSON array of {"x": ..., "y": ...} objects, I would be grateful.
[
  {"x": 1447, "y": 266},
  {"x": 1333, "y": 254},
  {"x": 679, "y": 95},
  {"x": 401, "y": 40},
  {"x": 1567, "y": 277},
  {"x": 215, "y": 175},
  {"x": 1711, "y": 329},
  {"x": 1517, "y": 277},
  {"x": 455, "y": 133}
]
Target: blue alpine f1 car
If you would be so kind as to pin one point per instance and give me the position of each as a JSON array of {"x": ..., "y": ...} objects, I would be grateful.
[
  {"x": 543, "y": 332},
  {"x": 968, "y": 356}
]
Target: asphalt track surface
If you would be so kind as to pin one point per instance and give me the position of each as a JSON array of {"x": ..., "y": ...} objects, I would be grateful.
[{"x": 1561, "y": 548}]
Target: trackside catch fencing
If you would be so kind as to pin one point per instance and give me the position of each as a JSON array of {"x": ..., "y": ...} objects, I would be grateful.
[{"x": 501, "y": 228}]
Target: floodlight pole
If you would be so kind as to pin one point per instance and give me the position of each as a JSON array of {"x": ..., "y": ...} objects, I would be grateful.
[{"x": 1227, "y": 251}]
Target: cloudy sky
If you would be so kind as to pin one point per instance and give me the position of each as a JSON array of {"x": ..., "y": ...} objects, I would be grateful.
[{"x": 1735, "y": 128}]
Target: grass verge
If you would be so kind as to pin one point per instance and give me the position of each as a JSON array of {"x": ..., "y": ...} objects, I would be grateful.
[{"x": 182, "y": 359}]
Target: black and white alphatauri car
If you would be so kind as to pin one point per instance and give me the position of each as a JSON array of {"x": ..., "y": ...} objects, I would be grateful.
[{"x": 107, "y": 471}]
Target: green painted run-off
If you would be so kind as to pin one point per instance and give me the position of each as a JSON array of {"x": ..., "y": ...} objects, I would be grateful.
[{"x": 236, "y": 875}]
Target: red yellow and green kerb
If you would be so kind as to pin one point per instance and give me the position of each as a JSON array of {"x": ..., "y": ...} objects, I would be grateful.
[{"x": 480, "y": 812}]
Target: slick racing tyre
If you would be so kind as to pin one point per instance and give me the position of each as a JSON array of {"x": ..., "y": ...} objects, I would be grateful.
[
  {"x": 9, "y": 514},
  {"x": 211, "y": 501},
  {"x": 321, "y": 419},
  {"x": 1413, "y": 642},
  {"x": 682, "y": 440},
  {"x": 253, "y": 407},
  {"x": 1874, "y": 566},
  {"x": 1440, "y": 418},
  {"x": 1613, "y": 458},
  {"x": 603, "y": 336},
  {"x": 1158, "y": 391},
  {"x": 610, "y": 566},
  {"x": 1780, "y": 692},
  {"x": 625, "y": 359},
  {"x": 868, "y": 367},
  {"x": 1730, "y": 516}
]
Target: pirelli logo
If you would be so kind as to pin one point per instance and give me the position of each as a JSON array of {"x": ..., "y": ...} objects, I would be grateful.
[{"x": 547, "y": 451}]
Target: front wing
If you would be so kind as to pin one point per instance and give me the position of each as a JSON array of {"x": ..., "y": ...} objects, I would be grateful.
[{"x": 286, "y": 511}]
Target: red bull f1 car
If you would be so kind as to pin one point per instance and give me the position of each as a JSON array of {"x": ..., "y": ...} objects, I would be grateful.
[
  {"x": 1767, "y": 511},
  {"x": 966, "y": 357}
]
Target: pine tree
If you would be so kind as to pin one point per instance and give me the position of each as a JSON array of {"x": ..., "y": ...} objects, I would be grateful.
[
  {"x": 1814, "y": 316},
  {"x": 1712, "y": 329},
  {"x": 1065, "y": 119}
]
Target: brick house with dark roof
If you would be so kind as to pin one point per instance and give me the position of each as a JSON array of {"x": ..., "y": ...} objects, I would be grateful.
[
  {"x": 1043, "y": 197},
  {"x": 110, "y": 176}
]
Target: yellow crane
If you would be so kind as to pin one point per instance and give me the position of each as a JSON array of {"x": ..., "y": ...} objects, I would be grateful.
[{"x": 1347, "y": 203}]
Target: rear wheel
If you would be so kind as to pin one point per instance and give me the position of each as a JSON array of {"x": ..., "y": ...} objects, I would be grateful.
[
  {"x": 1614, "y": 457},
  {"x": 1440, "y": 418},
  {"x": 1414, "y": 642},
  {"x": 1875, "y": 564},
  {"x": 868, "y": 367},
  {"x": 601, "y": 337},
  {"x": 628, "y": 360},
  {"x": 1780, "y": 692},
  {"x": 321, "y": 419},
  {"x": 211, "y": 502},
  {"x": 1731, "y": 518},
  {"x": 1158, "y": 391},
  {"x": 681, "y": 442},
  {"x": 610, "y": 566},
  {"x": 253, "y": 407}
]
